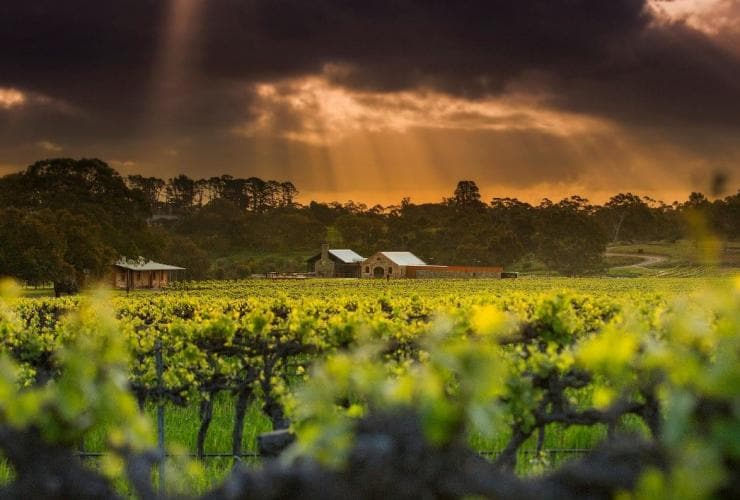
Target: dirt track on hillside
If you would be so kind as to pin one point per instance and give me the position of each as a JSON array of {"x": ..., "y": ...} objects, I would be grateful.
[{"x": 647, "y": 260}]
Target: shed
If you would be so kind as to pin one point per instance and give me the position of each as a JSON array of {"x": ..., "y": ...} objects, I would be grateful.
[
  {"x": 335, "y": 263},
  {"x": 141, "y": 273}
]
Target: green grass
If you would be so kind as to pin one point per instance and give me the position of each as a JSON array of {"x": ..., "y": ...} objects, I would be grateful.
[
  {"x": 31, "y": 292},
  {"x": 181, "y": 428},
  {"x": 686, "y": 251},
  {"x": 619, "y": 261},
  {"x": 561, "y": 443},
  {"x": 683, "y": 259}
]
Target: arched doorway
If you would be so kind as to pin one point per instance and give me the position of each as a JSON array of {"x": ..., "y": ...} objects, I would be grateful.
[{"x": 378, "y": 272}]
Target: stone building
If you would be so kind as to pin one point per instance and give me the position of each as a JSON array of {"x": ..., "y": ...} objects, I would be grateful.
[
  {"x": 408, "y": 265},
  {"x": 140, "y": 273},
  {"x": 344, "y": 263},
  {"x": 335, "y": 263},
  {"x": 389, "y": 264}
]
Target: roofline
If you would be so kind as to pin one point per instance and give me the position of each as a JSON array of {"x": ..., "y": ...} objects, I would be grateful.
[
  {"x": 330, "y": 250},
  {"x": 385, "y": 253},
  {"x": 167, "y": 268}
]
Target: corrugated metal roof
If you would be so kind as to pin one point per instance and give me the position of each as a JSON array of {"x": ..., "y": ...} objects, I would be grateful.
[
  {"x": 404, "y": 258},
  {"x": 145, "y": 265},
  {"x": 346, "y": 255}
]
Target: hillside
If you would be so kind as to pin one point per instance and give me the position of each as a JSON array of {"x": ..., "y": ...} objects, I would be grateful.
[{"x": 682, "y": 258}]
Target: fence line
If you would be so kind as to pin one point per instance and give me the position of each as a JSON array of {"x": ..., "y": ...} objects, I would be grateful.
[
  {"x": 486, "y": 453},
  {"x": 163, "y": 455},
  {"x": 99, "y": 454}
]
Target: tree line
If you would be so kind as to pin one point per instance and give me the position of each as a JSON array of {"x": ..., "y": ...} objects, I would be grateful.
[
  {"x": 65, "y": 219},
  {"x": 182, "y": 194}
]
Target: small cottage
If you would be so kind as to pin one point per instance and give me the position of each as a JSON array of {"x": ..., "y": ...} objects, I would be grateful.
[
  {"x": 139, "y": 273},
  {"x": 335, "y": 263}
]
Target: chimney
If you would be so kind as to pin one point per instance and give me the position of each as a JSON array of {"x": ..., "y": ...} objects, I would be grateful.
[{"x": 324, "y": 251}]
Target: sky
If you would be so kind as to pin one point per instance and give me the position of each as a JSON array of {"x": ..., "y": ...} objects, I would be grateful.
[{"x": 376, "y": 100}]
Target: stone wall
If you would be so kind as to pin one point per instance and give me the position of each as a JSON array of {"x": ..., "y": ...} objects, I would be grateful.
[
  {"x": 369, "y": 267},
  {"x": 324, "y": 267}
]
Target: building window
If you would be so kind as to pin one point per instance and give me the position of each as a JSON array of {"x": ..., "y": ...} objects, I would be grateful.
[
  {"x": 390, "y": 270},
  {"x": 367, "y": 269}
]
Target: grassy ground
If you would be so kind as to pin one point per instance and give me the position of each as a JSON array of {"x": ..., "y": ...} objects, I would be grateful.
[
  {"x": 181, "y": 428},
  {"x": 682, "y": 258},
  {"x": 687, "y": 252},
  {"x": 622, "y": 260}
]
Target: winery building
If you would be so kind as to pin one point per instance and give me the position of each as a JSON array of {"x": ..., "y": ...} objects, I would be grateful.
[
  {"x": 140, "y": 273},
  {"x": 345, "y": 263},
  {"x": 335, "y": 263},
  {"x": 408, "y": 265},
  {"x": 389, "y": 264}
]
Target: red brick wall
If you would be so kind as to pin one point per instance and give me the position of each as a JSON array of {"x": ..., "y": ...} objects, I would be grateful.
[{"x": 454, "y": 271}]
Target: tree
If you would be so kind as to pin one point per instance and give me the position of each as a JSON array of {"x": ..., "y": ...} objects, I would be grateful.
[
  {"x": 257, "y": 196},
  {"x": 181, "y": 251},
  {"x": 86, "y": 254},
  {"x": 235, "y": 191},
  {"x": 363, "y": 232},
  {"x": 32, "y": 250},
  {"x": 150, "y": 187},
  {"x": 180, "y": 192},
  {"x": 726, "y": 216},
  {"x": 88, "y": 188},
  {"x": 467, "y": 195},
  {"x": 504, "y": 246},
  {"x": 288, "y": 192},
  {"x": 52, "y": 246},
  {"x": 627, "y": 217},
  {"x": 569, "y": 240}
]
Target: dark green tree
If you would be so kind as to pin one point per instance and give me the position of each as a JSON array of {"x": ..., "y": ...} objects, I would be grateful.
[
  {"x": 467, "y": 195},
  {"x": 627, "y": 217},
  {"x": 32, "y": 249},
  {"x": 88, "y": 188},
  {"x": 151, "y": 188},
  {"x": 568, "y": 239},
  {"x": 181, "y": 193}
]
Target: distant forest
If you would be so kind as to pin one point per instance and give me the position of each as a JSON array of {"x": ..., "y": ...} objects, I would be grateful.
[{"x": 64, "y": 219}]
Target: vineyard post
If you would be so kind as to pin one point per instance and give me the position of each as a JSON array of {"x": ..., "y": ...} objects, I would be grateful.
[{"x": 160, "y": 415}]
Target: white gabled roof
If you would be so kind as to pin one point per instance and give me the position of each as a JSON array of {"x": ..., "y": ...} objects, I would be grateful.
[
  {"x": 141, "y": 264},
  {"x": 346, "y": 255},
  {"x": 404, "y": 258}
]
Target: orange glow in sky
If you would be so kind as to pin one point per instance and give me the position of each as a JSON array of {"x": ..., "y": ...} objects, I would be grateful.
[{"x": 591, "y": 99}]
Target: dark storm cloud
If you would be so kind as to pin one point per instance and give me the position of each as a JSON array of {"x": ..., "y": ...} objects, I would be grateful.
[
  {"x": 87, "y": 51},
  {"x": 470, "y": 46},
  {"x": 606, "y": 57},
  {"x": 93, "y": 71}
]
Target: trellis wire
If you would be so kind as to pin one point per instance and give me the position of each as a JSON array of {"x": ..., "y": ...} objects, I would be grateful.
[
  {"x": 163, "y": 455},
  {"x": 485, "y": 453}
]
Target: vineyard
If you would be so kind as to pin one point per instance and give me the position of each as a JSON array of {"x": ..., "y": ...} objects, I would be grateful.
[{"x": 531, "y": 388}]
